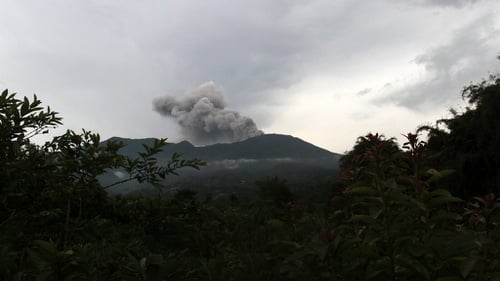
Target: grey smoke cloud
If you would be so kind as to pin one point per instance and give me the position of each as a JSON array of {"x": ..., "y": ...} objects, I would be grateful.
[{"x": 203, "y": 116}]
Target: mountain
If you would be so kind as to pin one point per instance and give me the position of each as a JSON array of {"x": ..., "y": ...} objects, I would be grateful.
[{"x": 235, "y": 167}]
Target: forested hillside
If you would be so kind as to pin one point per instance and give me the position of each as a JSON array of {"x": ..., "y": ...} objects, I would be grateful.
[
  {"x": 426, "y": 210},
  {"x": 233, "y": 168}
]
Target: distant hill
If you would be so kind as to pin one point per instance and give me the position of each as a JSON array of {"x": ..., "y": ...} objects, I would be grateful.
[{"x": 234, "y": 167}]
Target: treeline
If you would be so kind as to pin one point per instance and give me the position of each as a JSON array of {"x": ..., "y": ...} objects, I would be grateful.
[{"x": 425, "y": 211}]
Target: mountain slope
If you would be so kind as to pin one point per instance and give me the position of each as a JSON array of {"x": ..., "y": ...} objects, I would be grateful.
[
  {"x": 265, "y": 147},
  {"x": 234, "y": 167},
  {"x": 259, "y": 147}
]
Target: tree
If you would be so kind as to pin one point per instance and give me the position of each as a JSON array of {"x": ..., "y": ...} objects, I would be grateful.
[
  {"x": 469, "y": 142},
  {"x": 391, "y": 224},
  {"x": 369, "y": 150},
  {"x": 275, "y": 189},
  {"x": 21, "y": 120},
  {"x": 62, "y": 173}
]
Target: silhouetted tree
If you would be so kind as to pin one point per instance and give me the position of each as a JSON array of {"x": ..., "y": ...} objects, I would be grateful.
[
  {"x": 469, "y": 142},
  {"x": 369, "y": 150},
  {"x": 275, "y": 189}
]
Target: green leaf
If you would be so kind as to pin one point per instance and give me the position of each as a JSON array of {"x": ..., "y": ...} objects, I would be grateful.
[
  {"x": 363, "y": 219},
  {"x": 373, "y": 274},
  {"x": 421, "y": 269},
  {"x": 276, "y": 223},
  {"x": 155, "y": 259},
  {"x": 444, "y": 200},
  {"x": 445, "y": 217},
  {"x": 461, "y": 245},
  {"x": 450, "y": 278},
  {"x": 143, "y": 263},
  {"x": 440, "y": 175},
  {"x": 440, "y": 192},
  {"x": 467, "y": 266},
  {"x": 48, "y": 247},
  {"x": 361, "y": 190},
  {"x": 25, "y": 106}
]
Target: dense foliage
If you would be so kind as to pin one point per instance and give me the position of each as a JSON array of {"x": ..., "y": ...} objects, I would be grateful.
[
  {"x": 392, "y": 217},
  {"x": 469, "y": 142}
]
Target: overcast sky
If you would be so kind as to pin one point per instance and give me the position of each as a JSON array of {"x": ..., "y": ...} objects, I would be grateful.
[{"x": 324, "y": 71}]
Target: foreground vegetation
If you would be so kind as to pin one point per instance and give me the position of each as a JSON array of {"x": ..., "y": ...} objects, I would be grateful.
[{"x": 393, "y": 216}]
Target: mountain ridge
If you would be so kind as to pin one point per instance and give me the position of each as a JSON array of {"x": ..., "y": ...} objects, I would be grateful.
[
  {"x": 261, "y": 147},
  {"x": 235, "y": 167}
]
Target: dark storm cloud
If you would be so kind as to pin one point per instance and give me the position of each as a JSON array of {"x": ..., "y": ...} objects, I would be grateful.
[
  {"x": 252, "y": 48},
  {"x": 467, "y": 58},
  {"x": 236, "y": 44},
  {"x": 203, "y": 116},
  {"x": 106, "y": 54},
  {"x": 114, "y": 50}
]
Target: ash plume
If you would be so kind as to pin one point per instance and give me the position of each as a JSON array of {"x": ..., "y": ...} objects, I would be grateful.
[{"x": 203, "y": 116}]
